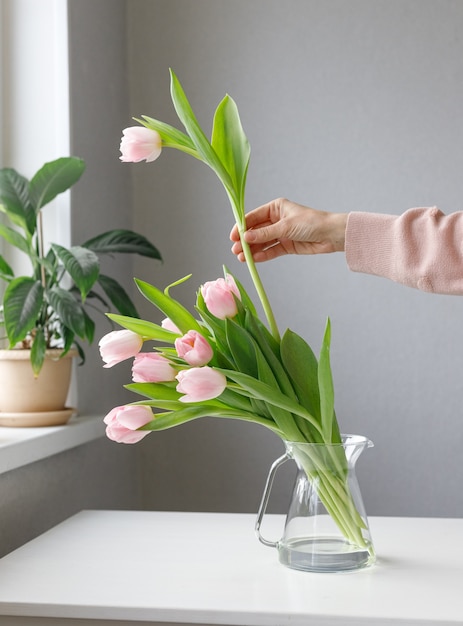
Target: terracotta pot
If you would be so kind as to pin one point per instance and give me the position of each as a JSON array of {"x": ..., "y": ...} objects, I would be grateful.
[{"x": 29, "y": 401}]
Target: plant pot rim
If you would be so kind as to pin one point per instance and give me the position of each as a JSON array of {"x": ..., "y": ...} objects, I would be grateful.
[{"x": 20, "y": 354}]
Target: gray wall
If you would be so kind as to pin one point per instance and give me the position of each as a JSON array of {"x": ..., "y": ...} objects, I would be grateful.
[{"x": 348, "y": 106}]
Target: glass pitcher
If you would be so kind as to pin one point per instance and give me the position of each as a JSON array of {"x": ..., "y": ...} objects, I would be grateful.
[{"x": 326, "y": 527}]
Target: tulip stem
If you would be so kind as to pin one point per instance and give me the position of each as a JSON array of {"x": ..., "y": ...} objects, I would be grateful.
[{"x": 240, "y": 220}]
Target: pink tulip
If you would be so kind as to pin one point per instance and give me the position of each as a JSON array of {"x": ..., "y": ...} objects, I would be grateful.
[
  {"x": 123, "y": 421},
  {"x": 118, "y": 346},
  {"x": 139, "y": 143},
  {"x": 219, "y": 297},
  {"x": 168, "y": 324},
  {"x": 150, "y": 367},
  {"x": 200, "y": 384},
  {"x": 194, "y": 348}
]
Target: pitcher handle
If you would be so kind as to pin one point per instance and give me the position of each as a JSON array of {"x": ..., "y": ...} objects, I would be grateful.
[{"x": 265, "y": 498}]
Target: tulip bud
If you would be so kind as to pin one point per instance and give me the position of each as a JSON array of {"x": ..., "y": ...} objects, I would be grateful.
[
  {"x": 200, "y": 384},
  {"x": 123, "y": 421},
  {"x": 194, "y": 348},
  {"x": 150, "y": 367},
  {"x": 140, "y": 144},
  {"x": 119, "y": 345},
  {"x": 219, "y": 297}
]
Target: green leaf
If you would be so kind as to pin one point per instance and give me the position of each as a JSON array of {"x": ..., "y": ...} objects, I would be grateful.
[
  {"x": 188, "y": 119},
  {"x": 38, "y": 350},
  {"x": 15, "y": 199},
  {"x": 81, "y": 264},
  {"x": 89, "y": 326},
  {"x": 180, "y": 316},
  {"x": 242, "y": 347},
  {"x": 15, "y": 239},
  {"x": 259, "y": 390},
  {"x": 22, "y": 303},
  {"x": 231, "y": 144},
  {"x": 118, "y": 296},
  {"x": 68, "y": 310},
  {"x": 155, "y": 391},
  {"x": 163, "y": 421},
  {"x": 148, "y": 330},
  {"x": 325, "y": 383},
  {"x": 68, "y": 338},
  {"x": 302, "y": 367},
  {"x": 5, "y": 270},
  {"x": 122, "y": 241},
  {"x": 171, "y": 136},
  {"x": 54, "y": 178}
]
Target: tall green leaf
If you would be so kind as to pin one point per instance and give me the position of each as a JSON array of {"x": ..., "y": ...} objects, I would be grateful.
[
  {"x": 188, "y": 119},
  {"x": 301, "y": 364},
  {"x": 325, "y": 384},
  {"x": 81, "y": 264},
  {"x": 242, "y": 347},
  {"x": 181, "y": 317},
  {"x": 122, "y": 241},
  {"x": 54, "y": 178},
  {"x": 22, "y": 303},
  {"x": 254, "y": 388},
  {"x": 231, "y": 144}
]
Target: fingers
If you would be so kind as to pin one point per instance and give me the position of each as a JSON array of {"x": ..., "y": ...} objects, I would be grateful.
[
  {"x": 262, "y": 254},
  {"x": 255, "y": 219}
]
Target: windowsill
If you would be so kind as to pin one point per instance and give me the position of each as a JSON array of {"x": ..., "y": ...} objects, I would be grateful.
[{"x": 21, "y": 446}]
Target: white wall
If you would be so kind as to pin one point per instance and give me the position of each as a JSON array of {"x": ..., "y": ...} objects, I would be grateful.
[
  {"x": 35, "y": 99},
  {"x": 348, "y": 106},
  {"x": 100, "y": 474}
]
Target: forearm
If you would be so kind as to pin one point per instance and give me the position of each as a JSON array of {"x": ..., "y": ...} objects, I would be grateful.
[{"x": 423, "y": 248}]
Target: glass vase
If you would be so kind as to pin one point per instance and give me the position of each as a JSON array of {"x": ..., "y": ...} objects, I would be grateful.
[{"x": 326, "y": 527}]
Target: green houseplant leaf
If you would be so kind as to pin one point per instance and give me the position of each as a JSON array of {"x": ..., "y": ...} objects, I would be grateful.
[
  {"x": 39, "y": 312},
  {"x": 15, "y": 199},
  {"x": 15, "y": 238},
  {"x": 117, "y": 295},
  {"x": 54, "y": 178},
  {"x": 122, "y": 241},
  {"x": 22, "y": 304},
  {"x": 68, "y": 310},
  {"x": 82, "y": 265},
  {"x": 38, "y": 351}
]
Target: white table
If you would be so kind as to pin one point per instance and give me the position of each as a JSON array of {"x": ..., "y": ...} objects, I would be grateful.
[{"x": 129, "y": 568}]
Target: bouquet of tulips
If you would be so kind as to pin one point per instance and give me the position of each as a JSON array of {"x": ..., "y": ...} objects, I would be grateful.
[{"x": 224, "y": 361}]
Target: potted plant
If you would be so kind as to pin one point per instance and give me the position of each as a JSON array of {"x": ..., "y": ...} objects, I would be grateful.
[{"x": 44, "y": 316}]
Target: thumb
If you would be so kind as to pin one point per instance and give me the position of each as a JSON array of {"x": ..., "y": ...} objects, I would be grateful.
[{"x": 265, "y": 234}]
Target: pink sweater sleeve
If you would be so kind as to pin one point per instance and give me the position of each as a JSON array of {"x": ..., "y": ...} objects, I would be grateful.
[{"x": 423, "y": 248}]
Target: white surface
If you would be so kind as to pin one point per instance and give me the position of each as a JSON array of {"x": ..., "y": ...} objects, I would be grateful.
[
  {"x": 20, "y": 446},
  {"x": 201, "y": 568}
]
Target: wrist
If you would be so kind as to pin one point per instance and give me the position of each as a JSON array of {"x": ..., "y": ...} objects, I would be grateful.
[{"x": 338, "y": 225}]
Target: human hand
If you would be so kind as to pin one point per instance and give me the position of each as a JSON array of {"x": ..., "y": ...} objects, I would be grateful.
[{"x": 283, "y": 227}]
